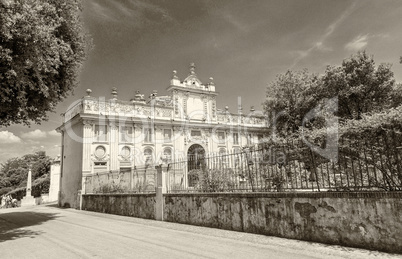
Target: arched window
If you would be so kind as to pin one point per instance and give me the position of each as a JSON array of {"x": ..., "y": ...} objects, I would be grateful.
[
  {"x": 167, "y": 155},
  {"x": 223, "y": 158},
  {"x": 195, "y": 157},
  {"x": 237, "y": 157},
  {"x": 148, "y": 156}
]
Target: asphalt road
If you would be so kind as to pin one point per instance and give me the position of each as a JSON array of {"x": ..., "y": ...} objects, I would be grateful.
[{"x": 51, "y": 232}]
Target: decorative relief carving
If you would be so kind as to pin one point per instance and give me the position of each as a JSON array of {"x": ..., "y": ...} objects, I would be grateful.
[
  {"x": 213, "y": 109},
  {"x": 102, "y": 107},
  {"x": 105, "y": 158},
  {"x": 88, "y": 105},
  {"x": 88, "y": 123},
  {"x": 185, "y": 106},
  {"x": 113, "y": 125},
  {"x": 126, "y": 108},
  {"x": 146, "y": 111},
  {"x": 164, "y": 112},
  {"x": 205, "y": 108},
  {"x": 125, "y": 154},
  {"x": 176, "y": 104},
  {"x": 100, "y": 154},
  {"x": 229, "y": 118},
  {"x": 96, "y": 106}
]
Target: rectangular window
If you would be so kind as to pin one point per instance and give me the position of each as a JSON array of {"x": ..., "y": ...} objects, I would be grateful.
[
  {"x": 101, "y": 133},
  {"x": 196, "y": 133},
  {"x": 167, "y": 135},
  {"x": 126, "y": 134},
  {"x": 100, "y": 167},
  {"x": 260, "y": 138},
  {"x": 221, "y": 137},
  {"x": 148, "y": 135},
  {"x": 249, "y": 139},
  {"x": 167, "y": 155},
  {"x": 235, "y": 138}
]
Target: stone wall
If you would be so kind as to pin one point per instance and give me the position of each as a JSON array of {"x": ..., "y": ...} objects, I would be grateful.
[
  {"x": 133, "y": 205},
  {"x": 367, "y": 220}
]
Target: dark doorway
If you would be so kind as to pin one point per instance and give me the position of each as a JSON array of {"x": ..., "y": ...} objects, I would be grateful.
[
  {"x": 195, "y": 160},
  {"x": 195, "y": 155}
]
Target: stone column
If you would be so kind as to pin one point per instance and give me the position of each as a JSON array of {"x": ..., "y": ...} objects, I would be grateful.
[
  {"x": 88, "y": 134},
  {"x": 54, "y": 180},
  {"x": 160, "y": 190},
  {"x": 29, "y": 183},
  {"x": 114, "y": 146},
  {"x": 28, "y": 199},
  {"x": 87, "y": 137}
]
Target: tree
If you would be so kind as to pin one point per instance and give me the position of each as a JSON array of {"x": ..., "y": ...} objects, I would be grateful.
[
  {"x": 42, "y": 46},
  {"x": 289, "y": 98},
  {"x": 13, "y": 173},
  {"x": 395, "y": 96},
  {"x": 359, "y": 85}
]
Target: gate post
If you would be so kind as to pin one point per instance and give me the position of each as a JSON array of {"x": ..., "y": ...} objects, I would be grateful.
[
  {"x": 82, "y": 191},
  {"x": 160, "y": 189}
]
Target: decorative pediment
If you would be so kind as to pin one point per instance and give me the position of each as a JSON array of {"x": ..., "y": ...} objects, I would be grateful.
[{"x": 192, "y": 81}]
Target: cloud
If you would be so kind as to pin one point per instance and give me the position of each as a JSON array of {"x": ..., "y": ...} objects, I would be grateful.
[
  {"x": 17, "y": 146},
  {"x": 132, "y": 13},
  {"x": 53, "y": 133},
  {"x": 357, "y": 43},
  {"x": 35, "y": 134},
  {"x": 322, "y": 47},
  {"x": 235, "y": 21},
  {"x": 7, "y": 137},
  {"x": 319, "y": 45}
]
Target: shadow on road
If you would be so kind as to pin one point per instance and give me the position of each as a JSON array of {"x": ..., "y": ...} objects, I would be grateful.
[{"x": 13, "y": 224}]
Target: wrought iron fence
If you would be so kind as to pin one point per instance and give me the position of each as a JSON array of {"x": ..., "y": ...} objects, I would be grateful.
[
  {"x": 292, "y": 166},
  {"x": 362, "y": 165},
  {"x": 130, "y": 180}
]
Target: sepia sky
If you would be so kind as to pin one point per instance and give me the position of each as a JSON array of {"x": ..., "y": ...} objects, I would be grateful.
[{"x": 243, "y": 45}]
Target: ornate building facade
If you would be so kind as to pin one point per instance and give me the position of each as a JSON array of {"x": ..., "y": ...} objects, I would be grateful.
[{"x": 101, "y": 135}]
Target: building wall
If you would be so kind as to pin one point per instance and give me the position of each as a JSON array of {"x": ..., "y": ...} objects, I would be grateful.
[
  {"x": 54, "y": 181},
  {"x": 366, "y": 220},
  {"x": 71, "y": 172},
  {"x": 133, "y": 205},
  {"x": 189, "y": 105}
]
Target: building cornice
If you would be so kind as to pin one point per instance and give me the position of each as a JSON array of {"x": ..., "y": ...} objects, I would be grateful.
[{"x": 191, "y": 90}]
